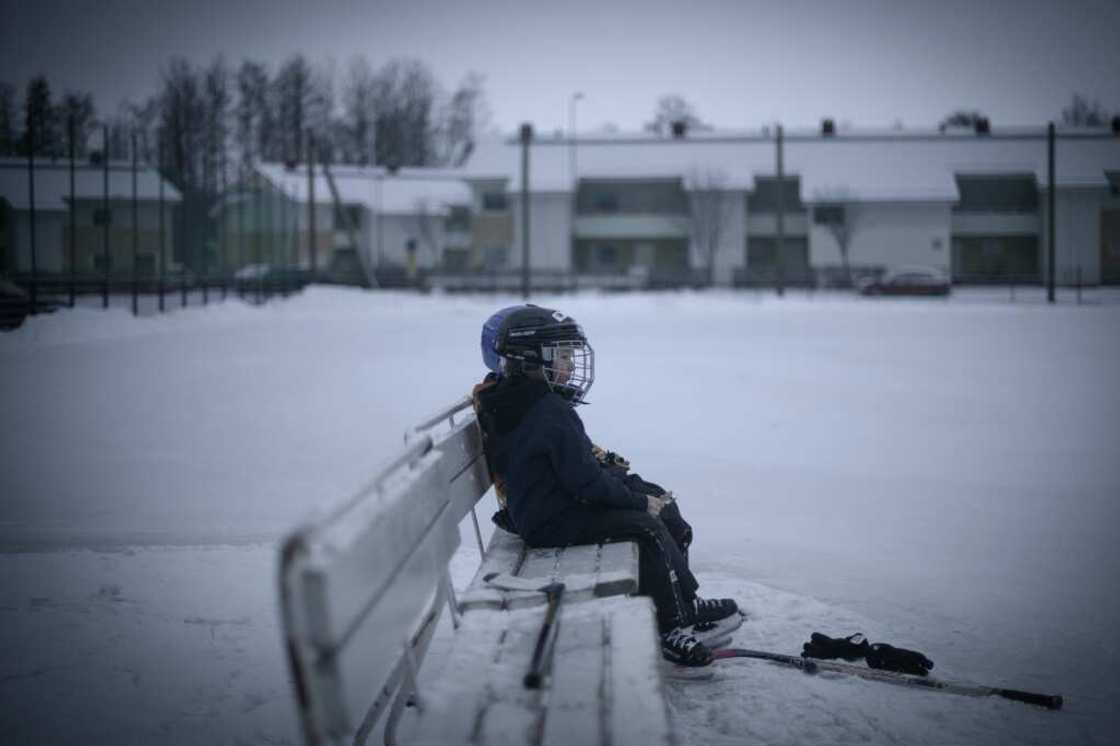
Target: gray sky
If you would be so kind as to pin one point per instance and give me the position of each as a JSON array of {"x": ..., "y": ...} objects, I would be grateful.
[{"x": 741, "y": 64}]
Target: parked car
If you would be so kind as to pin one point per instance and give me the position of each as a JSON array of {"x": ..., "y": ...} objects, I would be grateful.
[
  {"x": 907, "y": 281},
  {"x": 15, "y": 305}
]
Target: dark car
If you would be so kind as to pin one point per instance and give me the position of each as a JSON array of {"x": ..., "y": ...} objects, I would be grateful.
[
  {"x": 15, "y": 305},
  {"x": 908, "y": 281}
]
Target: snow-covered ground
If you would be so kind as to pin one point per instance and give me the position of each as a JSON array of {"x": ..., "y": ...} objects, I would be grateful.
[{"x": 938, "y": 475}]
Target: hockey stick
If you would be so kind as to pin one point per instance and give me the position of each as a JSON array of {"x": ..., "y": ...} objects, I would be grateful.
[
  {"x": 810, "y": 665},
  {"x": 539, "y": 665},
  {"x": 506, "y": 582}
]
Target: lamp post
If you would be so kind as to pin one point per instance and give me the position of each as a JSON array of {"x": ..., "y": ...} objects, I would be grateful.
[{"x": 575, "y": 98}]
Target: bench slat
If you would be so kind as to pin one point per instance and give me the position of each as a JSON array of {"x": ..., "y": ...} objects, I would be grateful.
[
  {"x": 638, "y": 714},
  {"x": 361, "y": 550},
  {"x": 568, "y": 720},
  {"x": 478, "y": 696},
  {"x": 589, "y": 571},
  {"x": 465, "y": 466}
]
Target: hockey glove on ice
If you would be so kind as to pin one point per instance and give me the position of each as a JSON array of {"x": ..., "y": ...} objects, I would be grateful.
[
  {"x": 890, "y": 658},
  {"x": 849, "y": 648}
]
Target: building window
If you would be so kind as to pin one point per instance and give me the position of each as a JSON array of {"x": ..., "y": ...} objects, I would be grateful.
[
  {"x": 764, "y": 198},
  {"x": 456, "y": 260},
  {"x": 342, "y": 213},
  {"x": 494, "y": 258},
  {"x": 604, "y": 202},
  {"x": 1000, "y": 193},
  {"x": 495, "y": 201},
  {"x": 828, "y": 214},
  {"x": 458, "y": 219}
]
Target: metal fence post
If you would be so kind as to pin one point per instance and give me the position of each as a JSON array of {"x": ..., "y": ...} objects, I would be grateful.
[
  {"x": 779, "y": 248},
  {"x": 222, "y": 264},
  {"x": 1052, "y": 218},
  {"x": 71, "y": 244},
  {"x": 240, "y": 235},
  {"x": 135, "y": 236},
  {"x": 162, "y": 231},
  {"x": 311, "y": 205},
  {"x": 31, "y": 205},
  {"x": 258, "y": 236},
  {"x": 105, "y": 219},
  {"x": 526, "y": 139}
]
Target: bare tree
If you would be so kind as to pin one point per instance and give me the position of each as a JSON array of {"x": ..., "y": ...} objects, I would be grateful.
[
  {"x": 673, "y": 109},
  {"x": 1084, "y": 113},
  {"x": 253, "y": 113},
  {"x": 833, "y": 210},
  {"x": 7, "y": 119},
  {"x": 41, "y": 126},
  {"x": 292, "y": 93},
  {"x": 460, "y": 120},
  {"x": 405, "y": 92},
  {"x": 355, "y": 135},
  {"x": 217, "y": 97},
  {"x": 76, "y": 111},
  {"x": 710, "y": 210},
  {"x": 182, "y": 120}
]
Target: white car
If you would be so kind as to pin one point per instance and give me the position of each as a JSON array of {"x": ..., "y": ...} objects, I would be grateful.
[{"x": 908, "y": 281}]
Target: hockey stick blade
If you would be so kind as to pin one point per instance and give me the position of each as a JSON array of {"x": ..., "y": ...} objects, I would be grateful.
[
  {"x": 506, "y": 582},
  {"x": 810, "y": 665}
]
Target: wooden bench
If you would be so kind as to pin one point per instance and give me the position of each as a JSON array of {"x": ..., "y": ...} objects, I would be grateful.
[{"x": 363, "y": 587}]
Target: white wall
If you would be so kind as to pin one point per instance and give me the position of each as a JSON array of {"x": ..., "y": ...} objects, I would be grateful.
[
  {"x": 731, "y": 254},
  {"x": 1077, "y": 234},
  {"x": 889, "y": 234},
  {"x": 550, "y": 230}
]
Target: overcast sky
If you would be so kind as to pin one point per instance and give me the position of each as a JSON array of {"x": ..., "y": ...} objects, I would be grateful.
[{"x": 741, "y": 64}]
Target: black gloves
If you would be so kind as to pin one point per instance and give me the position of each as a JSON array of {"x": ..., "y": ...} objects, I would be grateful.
[
  {"x": 891, "y": 658},
  {"x": 880, "y": 655},
  {"x": 827, "y": 648}
]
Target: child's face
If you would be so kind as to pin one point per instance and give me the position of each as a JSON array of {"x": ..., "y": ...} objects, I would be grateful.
[{"x": 562, "y": 365}]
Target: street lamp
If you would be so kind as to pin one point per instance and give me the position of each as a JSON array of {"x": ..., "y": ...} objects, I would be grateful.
[{"x": 576, "y": 97}]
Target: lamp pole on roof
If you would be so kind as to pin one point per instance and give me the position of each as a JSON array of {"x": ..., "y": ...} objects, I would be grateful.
[
  {"x": 573, "y": 174},
  {"x": 526, "y": 140}
]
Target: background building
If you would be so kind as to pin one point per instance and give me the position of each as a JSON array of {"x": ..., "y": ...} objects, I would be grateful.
[{"x": 57, "y": 208}]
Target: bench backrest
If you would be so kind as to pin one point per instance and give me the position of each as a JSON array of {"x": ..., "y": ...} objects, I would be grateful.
[{"x": 362, "y": 588}]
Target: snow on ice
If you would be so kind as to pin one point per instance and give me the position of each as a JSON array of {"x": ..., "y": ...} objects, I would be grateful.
[{"x": 938, "y": 475}]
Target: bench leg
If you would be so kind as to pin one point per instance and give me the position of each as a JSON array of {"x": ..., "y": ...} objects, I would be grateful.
[
  {"x": 452, "y": 601},
  {"x": 478, "y": 535}
]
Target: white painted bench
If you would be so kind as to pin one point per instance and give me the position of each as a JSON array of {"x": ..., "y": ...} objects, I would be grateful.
[{"x": 362, "y": 589}]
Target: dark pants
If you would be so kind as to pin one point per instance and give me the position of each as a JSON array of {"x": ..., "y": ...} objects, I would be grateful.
[{"x": 662, "y": 543}]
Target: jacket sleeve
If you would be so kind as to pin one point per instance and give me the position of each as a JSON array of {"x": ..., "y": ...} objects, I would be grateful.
[{"x": 580, "y": 474}]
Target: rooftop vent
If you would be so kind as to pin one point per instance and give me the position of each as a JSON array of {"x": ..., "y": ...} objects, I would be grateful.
[{"x": 828, "y": 128}]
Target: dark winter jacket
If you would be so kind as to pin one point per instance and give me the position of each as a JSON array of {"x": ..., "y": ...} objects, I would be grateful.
[{"x": 536, "y": 445}]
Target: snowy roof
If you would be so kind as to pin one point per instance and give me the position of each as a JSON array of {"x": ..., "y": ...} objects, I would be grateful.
[
  {"x": 52, "y": 183},
  {"x": 400, "y": 192},
  {"x": 867, "y": 166}
]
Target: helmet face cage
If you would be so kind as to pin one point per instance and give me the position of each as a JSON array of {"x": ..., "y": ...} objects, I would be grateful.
[{"x": 569, "y": 368}]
